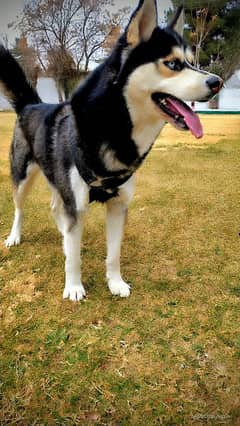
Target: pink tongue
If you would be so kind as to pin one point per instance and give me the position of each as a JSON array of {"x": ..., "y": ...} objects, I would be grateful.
[{"x": 191, "y": 119}]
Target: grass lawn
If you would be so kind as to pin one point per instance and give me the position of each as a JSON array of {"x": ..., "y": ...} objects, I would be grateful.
[{"x": 170, "y": 354}]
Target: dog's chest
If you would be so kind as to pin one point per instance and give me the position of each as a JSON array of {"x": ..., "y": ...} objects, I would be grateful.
[{"x": 144, "y": 136}]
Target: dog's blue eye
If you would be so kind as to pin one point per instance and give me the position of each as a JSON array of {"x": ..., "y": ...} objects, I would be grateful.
[
  {"x": 174, "y": 65},
  {"x": 171, "y": 65}
]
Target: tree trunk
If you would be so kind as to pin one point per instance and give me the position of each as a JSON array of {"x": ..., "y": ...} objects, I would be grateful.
[
  {"x": 214, "y": 103},
  {"x": 60, "y": 90}
]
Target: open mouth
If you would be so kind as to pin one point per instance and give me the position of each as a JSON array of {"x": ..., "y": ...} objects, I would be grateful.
[{"x": 178, "y": 113}]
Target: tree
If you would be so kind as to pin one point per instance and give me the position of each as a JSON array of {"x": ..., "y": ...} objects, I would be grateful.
[
  {"x": 68, "y": 34},
  {"x": 4, "y": 40},
  {"x": 213, "y": 29},
  {"x": 62, "y": 69},
  {"x": 227, "y": 38},
  {"x": 27, "y": 58},
  {"x": 95, "y": 33},
  {"x": 68, "y": 31}
]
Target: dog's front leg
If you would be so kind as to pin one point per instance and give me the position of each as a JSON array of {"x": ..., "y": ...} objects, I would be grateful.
[
  {"x": 74, "y": 289},
  {"x": 72, "y": 235},
  {"x": 116, "y": 216}
]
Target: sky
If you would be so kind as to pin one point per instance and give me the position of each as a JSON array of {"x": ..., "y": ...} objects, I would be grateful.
[
  {"x": 9, "y": 9},
  {"x": 162, "y": 4}
]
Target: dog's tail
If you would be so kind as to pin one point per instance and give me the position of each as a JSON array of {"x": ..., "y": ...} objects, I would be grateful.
[{"x": 16, "y": 88}]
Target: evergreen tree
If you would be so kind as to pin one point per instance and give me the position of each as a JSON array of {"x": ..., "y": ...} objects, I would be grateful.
[{"x": 213, "y": 29}]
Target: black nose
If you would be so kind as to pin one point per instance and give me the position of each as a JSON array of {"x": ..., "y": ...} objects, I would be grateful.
[{"x": 214, "y": 84}]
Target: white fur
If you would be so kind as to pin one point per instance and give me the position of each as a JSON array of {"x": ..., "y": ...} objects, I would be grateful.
[
  {"x": 188, "y": 85},
  {"x": 109, "y": 158},
  {"x": 20, "y": 194},
  {"x": 147, "y": 79},
  {"x": 142, "y": 111},
  {"x": 57, "y": 209},
  {"x": 80, "y": 190},
  {"x": 74, "y": 289},
  {"x": 14, "y": 237},
  {"x": 116, "y": 216}
]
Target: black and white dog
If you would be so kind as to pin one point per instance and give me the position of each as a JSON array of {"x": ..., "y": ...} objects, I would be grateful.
[{"x": 90, "y": 147}]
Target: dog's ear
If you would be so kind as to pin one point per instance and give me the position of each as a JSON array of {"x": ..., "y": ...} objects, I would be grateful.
[
  {"x": 177, "y": 23},
  {"x": 142, "y": 22}
]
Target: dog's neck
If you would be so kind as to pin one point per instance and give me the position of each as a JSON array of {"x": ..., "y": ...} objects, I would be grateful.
[{"x": 122, "y": 118}]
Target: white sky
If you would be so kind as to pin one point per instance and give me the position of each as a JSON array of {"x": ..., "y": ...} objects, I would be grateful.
[
  {"x": 162, "y": 4},
  {"x": 9, "y": 9}
]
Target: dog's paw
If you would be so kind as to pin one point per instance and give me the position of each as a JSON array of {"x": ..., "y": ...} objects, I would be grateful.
[
  {"x": 13, "y": 240},
  {"x": 119, "y": 288},
  {"x": 74, "y": 292}
]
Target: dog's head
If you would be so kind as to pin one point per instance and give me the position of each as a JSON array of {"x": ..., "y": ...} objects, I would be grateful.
[{"x": 157, "y": 71}]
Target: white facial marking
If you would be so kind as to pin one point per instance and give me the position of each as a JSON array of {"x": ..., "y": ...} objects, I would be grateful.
[
  {"x": 147, "y": 122},
  {"x": 188, "y": 85}
]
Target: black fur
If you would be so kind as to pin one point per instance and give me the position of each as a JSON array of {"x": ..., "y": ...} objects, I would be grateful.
[{"x": 19, "y": 90}]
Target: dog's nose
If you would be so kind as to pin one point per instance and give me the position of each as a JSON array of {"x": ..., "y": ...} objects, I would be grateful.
[{"x": 214, "y": 84}]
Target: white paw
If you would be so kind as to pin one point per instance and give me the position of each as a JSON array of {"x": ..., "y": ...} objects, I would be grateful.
[
  {"x": 13, "y": 240},
  {"x": 74, "y": 292},
  {"x": 119, "y": 288}
]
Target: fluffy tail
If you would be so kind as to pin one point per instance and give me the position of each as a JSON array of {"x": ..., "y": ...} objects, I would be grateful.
[{"x": 16, "y": 88}]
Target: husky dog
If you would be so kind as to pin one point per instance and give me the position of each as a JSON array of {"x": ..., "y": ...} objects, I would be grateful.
[{"x": 89, "y": 147}]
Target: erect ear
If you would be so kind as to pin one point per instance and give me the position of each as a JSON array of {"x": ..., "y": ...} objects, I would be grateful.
[
  {"x": 142, "y": 22},
  {"x": 177, "y": 23}
]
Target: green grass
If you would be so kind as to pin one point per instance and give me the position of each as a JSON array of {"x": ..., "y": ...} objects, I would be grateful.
[{"x": 167, "y": 355}]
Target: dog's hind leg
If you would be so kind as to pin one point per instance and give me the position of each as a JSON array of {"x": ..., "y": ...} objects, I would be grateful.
[
  {"x": 116, "y": 216},
  {"x": 20, "y": 192}
]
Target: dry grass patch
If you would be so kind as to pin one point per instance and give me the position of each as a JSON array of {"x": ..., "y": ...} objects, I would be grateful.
[{"x": 167, "y": 355}]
